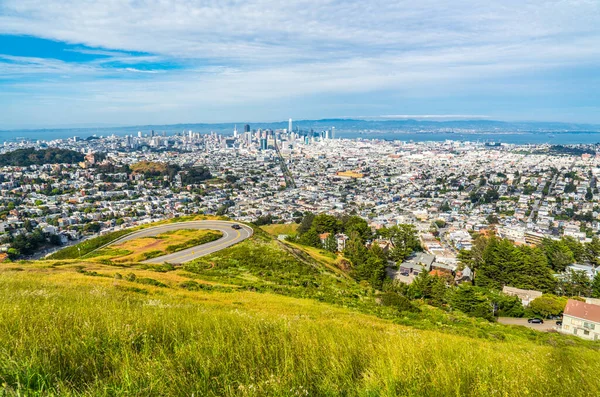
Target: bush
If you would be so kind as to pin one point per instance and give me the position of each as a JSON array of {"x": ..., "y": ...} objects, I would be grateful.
[
  {"x": 85, "y": 247},
  {"x": 548, "y": 305},
  {"x": 151, "y": 281},
  {"x": 397, "y": 301}
]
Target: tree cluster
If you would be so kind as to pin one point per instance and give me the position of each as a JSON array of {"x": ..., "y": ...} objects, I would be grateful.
[{"x": 30, "y": 156}]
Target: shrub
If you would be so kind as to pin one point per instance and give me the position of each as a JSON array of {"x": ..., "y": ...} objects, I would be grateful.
[{"x": 397, "y": 301}]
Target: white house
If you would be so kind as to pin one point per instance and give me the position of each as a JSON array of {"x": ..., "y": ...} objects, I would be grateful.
[{"x": 581, "y": 319}]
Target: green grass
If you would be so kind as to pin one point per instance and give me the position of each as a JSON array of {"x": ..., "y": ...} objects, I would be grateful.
[
  {"x": 277, "y": 229},
  {"x": 68, "y": 334},
  {"x": 260, "y": 318},
  {"x": 85, "y": 247},
  {"x": 204, "y": 239}
]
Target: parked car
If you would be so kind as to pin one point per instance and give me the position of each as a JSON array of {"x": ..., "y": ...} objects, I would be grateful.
[
  {"x": 559, "y": 323},
  {"x": 236, "y": 226},
  {"x": 535, "y": 321}
]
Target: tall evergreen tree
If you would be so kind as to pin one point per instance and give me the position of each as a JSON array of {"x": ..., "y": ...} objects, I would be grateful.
[
  {"x": 331, "y": 243},
  {"x": 596, "y": 286}
]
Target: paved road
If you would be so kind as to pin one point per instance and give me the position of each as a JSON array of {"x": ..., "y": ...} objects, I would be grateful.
[
  {"x": 548, "y": 325},
  {"x": 230, "y": 237}
]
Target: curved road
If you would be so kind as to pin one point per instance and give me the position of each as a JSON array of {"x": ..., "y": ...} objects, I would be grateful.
[{"x": 230, "y": 237}]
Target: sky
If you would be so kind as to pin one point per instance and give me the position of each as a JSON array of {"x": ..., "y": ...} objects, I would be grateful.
[{"x": 128, "y": 62}]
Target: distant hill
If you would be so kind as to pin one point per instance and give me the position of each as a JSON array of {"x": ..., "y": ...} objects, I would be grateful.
[{"x": 27, "y": 157}]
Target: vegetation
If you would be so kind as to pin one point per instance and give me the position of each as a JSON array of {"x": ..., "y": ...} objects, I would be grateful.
[
  {"x": 87, "y": 246},
  {"x": 367, "y": 264},
  {"x": 548, "y": 305},
  {"x": 141, "y": 249},
  {"x": 189, "y": 175},
  {"x": 277, "y": 229},
  {"x": 498, "y": 262},
  {"x": 66, "y": 332},
  {"x": 30, "y": 156}
]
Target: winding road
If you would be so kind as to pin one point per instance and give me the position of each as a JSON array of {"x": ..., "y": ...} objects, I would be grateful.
[{"x": 230, "y": 237}]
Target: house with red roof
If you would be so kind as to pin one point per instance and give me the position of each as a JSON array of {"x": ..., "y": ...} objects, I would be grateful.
[{"x": 581, "y": 319}]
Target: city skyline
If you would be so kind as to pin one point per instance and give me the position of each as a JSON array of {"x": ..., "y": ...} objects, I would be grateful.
[{"x": 146, "y": 62}]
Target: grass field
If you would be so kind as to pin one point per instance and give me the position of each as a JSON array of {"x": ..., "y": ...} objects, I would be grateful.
[
  {"x": 277, "y": 229},
  {"x": 140, "y": 249},
  {"x": 65, "y": 333},
  {"x": 85, "y": 247},
  {"x": 261, "y": 318}
]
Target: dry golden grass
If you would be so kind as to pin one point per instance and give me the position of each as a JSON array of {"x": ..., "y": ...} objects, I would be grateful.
[
  {"x": 137, "y": 250},
  {"x": 277, "y": 229},
  {"x": 64, "y": 333}
]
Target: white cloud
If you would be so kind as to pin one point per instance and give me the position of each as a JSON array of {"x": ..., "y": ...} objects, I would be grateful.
[{"x": 261, "y": 51}]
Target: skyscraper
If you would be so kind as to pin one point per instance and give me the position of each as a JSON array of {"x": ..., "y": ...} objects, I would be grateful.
[
  {"x": 290, "y": 125},
  {"x": 332, "y": 132},
  {"x": 247, "y": 128}
]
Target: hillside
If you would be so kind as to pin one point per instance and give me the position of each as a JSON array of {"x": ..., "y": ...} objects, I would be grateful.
[
  {"x": 30, "y": 156},
  {"x": 259, "y": 318}
]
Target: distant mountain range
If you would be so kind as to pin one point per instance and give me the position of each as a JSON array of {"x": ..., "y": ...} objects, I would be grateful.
[{"x": 341, "y": 125}]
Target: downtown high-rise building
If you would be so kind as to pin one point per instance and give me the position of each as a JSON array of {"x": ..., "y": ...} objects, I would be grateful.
[{"x": 290, "y": 125}]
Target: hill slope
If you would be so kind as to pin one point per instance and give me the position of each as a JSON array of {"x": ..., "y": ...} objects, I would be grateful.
[{"x": 259, "y": 318}]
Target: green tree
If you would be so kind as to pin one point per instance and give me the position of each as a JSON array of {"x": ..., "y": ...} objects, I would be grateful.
[
  {"x": 570, "y": 188},
  {"x": 331, "y": 243},
  {"x": 548, "y": 305},
  {"x": 592, "y": 251},
  {"x": 472, "y": 301},
  {"x": 310, "y": 238},
  {"x": 306, "y": 223},
  {"x": 558, "y": 253},
  {"x": 523, "y": 267},
  {"x": 500, "y": 259},
  {"x": 355, "y": 249},
  {"x": 534, "y": 271},
  {"x": 575, "y": 283},
  {"x": 508, "y": 306},
  {"x": 324, "y": 223},
  {"x": 421, "y": 287},
  {"x": 372, "y": 270},
  {"x": 404, "y": 238},
  {"x": 357, "y": 224},
  {"x": 575, "y": 246},
  {"x": 596, "y": 286}
]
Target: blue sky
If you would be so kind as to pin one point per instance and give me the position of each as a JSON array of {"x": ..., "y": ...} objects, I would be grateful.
[{"x": 88, "y": 62}]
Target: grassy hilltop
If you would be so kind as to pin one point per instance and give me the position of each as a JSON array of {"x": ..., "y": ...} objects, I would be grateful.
[{"x": 259, "y": 318}]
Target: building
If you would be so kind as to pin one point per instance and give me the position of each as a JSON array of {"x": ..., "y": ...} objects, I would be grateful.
[
  {"x": 533, "y": 238},
  {"x": 464, "y": 276},
  {"x": 526, "y": 295},
  {"x": 416, "y": 264},
  {"x": 290, "y": 125},
  {"x": 581, "y": 319}
]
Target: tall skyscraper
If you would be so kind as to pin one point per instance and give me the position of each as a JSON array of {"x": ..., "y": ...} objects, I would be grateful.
[
  {"x": 247, "y": 128},
  {"x": 290, "y": 125},
  {"x": 332, "y": 132},
  {"x": 235, "y": 131}
]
